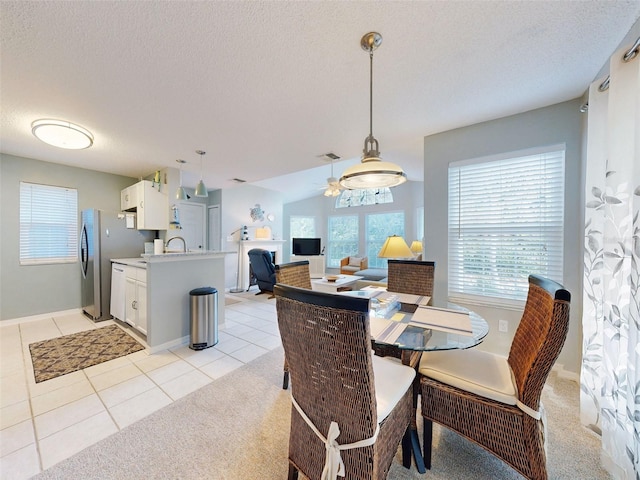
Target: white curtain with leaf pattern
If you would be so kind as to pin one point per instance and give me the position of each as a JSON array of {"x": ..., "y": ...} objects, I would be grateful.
[{"x": 610, "y": 374}]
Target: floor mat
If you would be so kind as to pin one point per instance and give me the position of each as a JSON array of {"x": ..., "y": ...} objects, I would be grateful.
[{"x": 70, "y": 353}]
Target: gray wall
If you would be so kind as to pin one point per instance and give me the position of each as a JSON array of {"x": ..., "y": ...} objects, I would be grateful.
[
  {"x": 406, "y": 197},
  {"x": 34, "y": 289},
  {"x": 561, "y": 123}
]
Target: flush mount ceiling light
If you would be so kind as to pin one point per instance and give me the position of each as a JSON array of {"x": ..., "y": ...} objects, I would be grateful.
[
  {"x": 201, "y": 190},
  {"x": 372, "y": 172},
  {"x": 180, "y": 193},
  {"x": 62, "y": 134}
]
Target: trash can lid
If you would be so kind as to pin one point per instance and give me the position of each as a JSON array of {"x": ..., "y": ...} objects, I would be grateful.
[{"x": 203, "y": 291}]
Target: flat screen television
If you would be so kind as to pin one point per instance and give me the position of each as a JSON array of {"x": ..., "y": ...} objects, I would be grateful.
[{"x": 306, "y": 246}]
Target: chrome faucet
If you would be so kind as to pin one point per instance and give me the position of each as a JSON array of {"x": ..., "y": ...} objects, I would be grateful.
[{"x": 184, "y": 243}]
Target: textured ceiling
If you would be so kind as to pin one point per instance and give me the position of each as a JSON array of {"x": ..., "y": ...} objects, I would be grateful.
[{"x": 266, "y": 87}]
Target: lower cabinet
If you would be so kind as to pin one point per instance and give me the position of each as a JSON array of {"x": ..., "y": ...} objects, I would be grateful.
[{"x": 136, "y": 298}]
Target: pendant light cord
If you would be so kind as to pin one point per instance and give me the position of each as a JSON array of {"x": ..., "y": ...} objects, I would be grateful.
[{"x": 371, "y": 93}]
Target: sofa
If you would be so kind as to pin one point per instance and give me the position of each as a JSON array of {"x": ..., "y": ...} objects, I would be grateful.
[{"x": 351, "y": 265}]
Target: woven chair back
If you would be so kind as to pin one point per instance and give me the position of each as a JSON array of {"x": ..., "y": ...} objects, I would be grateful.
[
  {"x": 326, "y": 339},
  {"x": 411, "y": 276},
  {"x": 295, "y": 274},
  {"x": 539, "y": 337}
]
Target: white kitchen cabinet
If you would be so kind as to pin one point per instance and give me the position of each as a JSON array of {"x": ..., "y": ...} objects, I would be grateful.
[
  {"x": 118, "y": 285},
  {"x": 151, "y": 206},
  {"x": 136, "y": 298}
]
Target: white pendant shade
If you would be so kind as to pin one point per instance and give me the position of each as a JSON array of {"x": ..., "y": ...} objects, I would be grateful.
[
  {"x": 62, "y": 134},
  {"x": 181, "y": 194},
  {"x": 373, "y": 173},
  {"x": 201, "y": 190}
]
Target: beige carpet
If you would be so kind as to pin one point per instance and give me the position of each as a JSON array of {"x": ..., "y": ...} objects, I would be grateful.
[
  {"x": 237, "y": 428},
  {"x": 70, "y": 353}
]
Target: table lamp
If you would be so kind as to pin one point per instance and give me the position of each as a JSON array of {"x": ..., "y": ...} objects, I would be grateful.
[
  {"x": 395, "y": 247},
  {"x": 416, "y": 247}
]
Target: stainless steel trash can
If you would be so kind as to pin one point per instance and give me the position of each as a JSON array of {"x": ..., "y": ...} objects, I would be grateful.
[{"x": 204, "y": 318}]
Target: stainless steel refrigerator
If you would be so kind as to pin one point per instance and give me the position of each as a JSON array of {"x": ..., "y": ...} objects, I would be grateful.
[{"x": 103, "y": 236}]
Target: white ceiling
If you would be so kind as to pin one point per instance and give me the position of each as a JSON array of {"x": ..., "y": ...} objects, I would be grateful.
[{"x": 266, "y": 87}]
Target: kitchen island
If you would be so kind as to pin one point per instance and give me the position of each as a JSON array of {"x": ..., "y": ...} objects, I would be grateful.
[{"x": 164, "y": 295}]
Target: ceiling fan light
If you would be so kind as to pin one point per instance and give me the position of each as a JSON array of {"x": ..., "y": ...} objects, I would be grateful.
[{"x": 62, "y": 134}]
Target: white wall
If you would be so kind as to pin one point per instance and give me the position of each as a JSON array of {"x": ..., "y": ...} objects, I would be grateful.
[
  {"x": 236, "y": 204},
  {"x": 27, "y": 290},
  {"x": 561, "y": 123}
]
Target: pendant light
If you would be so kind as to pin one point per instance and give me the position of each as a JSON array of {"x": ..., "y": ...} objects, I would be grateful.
[
  {"x": 201, "y": 190},
  {"x": 372, "y": 172},
  {"x": 180, "y": 193}
]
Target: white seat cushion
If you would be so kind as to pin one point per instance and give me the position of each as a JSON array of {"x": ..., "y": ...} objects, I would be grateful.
[
  {"x": 391, "y": 380},
  {"x": 475, "y": 371}
]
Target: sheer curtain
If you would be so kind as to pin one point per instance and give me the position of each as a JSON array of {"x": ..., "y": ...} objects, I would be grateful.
[{"x": 610, "y": 374}]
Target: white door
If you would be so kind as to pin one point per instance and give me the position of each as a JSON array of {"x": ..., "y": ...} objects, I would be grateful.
[
  {"x": 214, "y": 228},
  {"x": 192, "y": 220}
]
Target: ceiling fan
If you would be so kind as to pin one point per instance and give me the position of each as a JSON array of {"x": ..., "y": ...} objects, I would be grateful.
[{"x": 332, "y": 187}]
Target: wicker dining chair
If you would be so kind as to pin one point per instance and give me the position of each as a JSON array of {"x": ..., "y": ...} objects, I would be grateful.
[
  {"x": 336, "y": 380},
  {"x": 493, "y": 400},
  {"x": 407, "y": 276},
  {"x": 296, "y": 274}
]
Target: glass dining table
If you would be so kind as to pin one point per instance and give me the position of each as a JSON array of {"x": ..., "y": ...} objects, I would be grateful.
[{"x": 414, "y": 340}]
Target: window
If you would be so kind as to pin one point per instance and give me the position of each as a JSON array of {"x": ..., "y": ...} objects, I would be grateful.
[
  {"x": 379, "y": 227},
  {"x": 343, "y": 239},
  {"x": 302, "y": 227},
  {"x": 364, "y": 196},
  {"x": 48, "y": 224},
  {"x": 420, "y": 224},
  {"x": 505, "y": 222}
]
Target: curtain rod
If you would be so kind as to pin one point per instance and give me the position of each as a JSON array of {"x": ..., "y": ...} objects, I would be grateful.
[{"x": 627, "y": 57}]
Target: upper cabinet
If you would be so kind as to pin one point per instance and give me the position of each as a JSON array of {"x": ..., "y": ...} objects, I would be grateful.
[{"x": 151, "y": 206}]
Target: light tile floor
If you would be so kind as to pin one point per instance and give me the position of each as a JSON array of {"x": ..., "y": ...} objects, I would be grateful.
[{"x": 45, "y": 423}]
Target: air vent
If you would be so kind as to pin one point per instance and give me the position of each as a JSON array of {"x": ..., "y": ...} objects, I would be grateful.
[
  {"x": 329, "y": 157},
  {"x": 238, "y": 180}
]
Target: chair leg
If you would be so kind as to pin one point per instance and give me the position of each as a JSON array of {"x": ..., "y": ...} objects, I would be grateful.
[
  {"x": 406, "y": 448},
  {"x": 285, "y": 380},
  {"x": 293, "y": 473},
  {"x": 427, "y": 437}
]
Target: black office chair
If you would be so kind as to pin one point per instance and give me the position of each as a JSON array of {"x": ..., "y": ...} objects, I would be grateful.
[{"x": 263, "y": 269}]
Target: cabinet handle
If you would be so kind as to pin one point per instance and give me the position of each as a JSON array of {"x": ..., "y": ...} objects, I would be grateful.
[
  {"x": 134, "y": 304},
  {"x": 142, "y": 204}
]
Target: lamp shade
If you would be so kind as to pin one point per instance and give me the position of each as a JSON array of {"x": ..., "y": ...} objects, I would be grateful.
[
  {"x": 181, "y": 194},
  {"x": 264, "y": 233},
  {"x": 395, "y": 247},
  {"x": 416, "y": 246},
  {"x": 201, "y": 190},
  {"x": 62, "y": 134},
  {"x": 373, "y": 173}
]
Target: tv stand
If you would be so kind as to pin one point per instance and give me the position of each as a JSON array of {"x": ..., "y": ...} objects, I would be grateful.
[{"x": 316, "y": 264}]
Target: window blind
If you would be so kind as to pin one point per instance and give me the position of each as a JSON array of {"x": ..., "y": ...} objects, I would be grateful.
[
  {"x": 506, "y": 221},
  {"x": 48, "y": 224}
]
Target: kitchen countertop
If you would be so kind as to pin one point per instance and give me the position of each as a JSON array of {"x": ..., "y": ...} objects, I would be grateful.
[
  {"x": 134, "y": 262},
  {"x": 141, "y": 262}
]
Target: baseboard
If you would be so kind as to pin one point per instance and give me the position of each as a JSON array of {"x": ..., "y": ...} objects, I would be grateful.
[
  {"x": 41, "y": 316},
  {"x": 179, "y": 342},
  {"x": 566, "y": 374}
]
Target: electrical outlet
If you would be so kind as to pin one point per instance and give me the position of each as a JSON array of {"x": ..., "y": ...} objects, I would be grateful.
[
  {"x": 230, "y": 238},
  {"x": 503, "y": 326}
]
